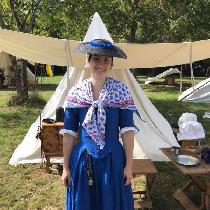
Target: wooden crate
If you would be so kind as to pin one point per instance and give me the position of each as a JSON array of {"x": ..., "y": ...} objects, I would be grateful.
[{"x": 51, "y": 141}]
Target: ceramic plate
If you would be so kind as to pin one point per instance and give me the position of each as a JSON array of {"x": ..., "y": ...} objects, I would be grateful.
[{"x": 187, "y": 160}]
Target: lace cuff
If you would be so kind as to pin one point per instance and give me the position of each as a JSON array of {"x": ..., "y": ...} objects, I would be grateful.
[
  {"x": 123, "y": 130},
  {"x": 73, "y": 133}
]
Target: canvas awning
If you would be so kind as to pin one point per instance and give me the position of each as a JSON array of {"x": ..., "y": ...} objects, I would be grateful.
[
  {"x": 49, "y": 50},
  {"x": 155, "y": 131}
]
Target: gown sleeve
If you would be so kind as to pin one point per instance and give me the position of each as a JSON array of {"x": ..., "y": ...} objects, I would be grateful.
[
  {"x": 71, "y": 122},
  {"x": 126, "y": 122}
]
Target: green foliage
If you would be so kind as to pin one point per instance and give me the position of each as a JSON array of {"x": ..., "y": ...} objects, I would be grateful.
[
  {"x": 52, "y": 20},
  {"x": 155, "y": 23},
  {"x": 189, "y": 19},
  {"x": 129, "y": 20},
  {"x": 19, "y": 15},
  {"x": 6, "y": 18}
]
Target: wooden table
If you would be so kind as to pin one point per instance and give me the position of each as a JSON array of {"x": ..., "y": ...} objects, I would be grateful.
[
  {"x": 194, "y": 173},
  {"x": 146, "y": 168}
]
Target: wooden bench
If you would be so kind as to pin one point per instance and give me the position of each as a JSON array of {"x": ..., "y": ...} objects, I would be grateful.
[
  {"x": 144, "y": 167},
  {"x": 138, "y": 204},
  {"x": 185, "y": 200}
]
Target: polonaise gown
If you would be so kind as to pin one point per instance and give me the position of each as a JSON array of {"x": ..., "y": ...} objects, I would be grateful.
[{"x": 104, "y": 166}]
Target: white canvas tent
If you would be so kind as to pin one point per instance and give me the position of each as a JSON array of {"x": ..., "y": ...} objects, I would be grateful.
[
  {"x": 154, "y": 133},
  {"x": 5, "y": 63},
  {"x": 163, "y": 74},
  {"x": 199, "y": 93},
  {"x": 5, "y": 67},
  {"x": 32, "y": 80}
]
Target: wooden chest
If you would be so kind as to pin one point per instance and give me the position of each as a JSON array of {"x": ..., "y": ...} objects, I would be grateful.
[{"x": 51, "y": 141}]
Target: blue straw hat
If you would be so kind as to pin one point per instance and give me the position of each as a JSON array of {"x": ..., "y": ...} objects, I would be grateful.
[{"x": 100, "y": 47}]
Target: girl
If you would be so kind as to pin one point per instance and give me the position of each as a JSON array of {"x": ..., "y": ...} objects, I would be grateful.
[{"x": 97, "y": 171}]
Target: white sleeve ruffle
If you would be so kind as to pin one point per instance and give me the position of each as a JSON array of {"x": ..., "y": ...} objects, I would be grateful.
[
  {"x": 64, "y": 131},
  {"x": 123, "y": 130}
]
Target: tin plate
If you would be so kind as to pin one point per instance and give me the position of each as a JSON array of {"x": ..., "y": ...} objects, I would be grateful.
[{"x": 187, "y": 160}]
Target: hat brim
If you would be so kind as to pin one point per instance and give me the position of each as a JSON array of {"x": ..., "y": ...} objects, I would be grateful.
[{"x": 111, "y": 50}]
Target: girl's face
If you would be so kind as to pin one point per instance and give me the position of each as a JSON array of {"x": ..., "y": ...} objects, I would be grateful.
[{"x": 100, "y": 63}]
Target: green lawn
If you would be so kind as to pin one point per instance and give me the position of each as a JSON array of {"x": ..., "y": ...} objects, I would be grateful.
[
  {"x": 30, "y": 187},
  {"x": 169, "y": 178}
]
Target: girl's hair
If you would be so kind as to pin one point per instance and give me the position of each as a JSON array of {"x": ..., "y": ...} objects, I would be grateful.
[{"x": 90, "y": 55}]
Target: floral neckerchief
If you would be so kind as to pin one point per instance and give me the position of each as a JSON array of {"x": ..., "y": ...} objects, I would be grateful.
[{"x": 113, "y": 94}]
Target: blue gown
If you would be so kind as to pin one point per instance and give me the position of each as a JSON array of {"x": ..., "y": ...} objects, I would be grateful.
[{"x": 108, "y": 191}]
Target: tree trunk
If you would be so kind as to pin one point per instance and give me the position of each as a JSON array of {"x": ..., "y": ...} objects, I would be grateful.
[
  {"x": 133, "y": 30},
  {"x": 21, "y": 79},
  {"x": 22, "y": 87},
  {"x": 25, "y": 21}
]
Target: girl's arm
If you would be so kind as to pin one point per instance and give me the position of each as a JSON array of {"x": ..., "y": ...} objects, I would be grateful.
[
  {"x": 128, "y": 143},
  {"x": 68, "y": 144}
]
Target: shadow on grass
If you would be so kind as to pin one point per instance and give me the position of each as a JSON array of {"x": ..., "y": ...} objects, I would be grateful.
[
  {"x": 164, "y": 88},
  {"x": 7, "y": 88},
  {"x": 17, "y": 117},
  {"x": 10, "y": 120},
  {"x": 46, "y": 87},
  {"x": 39, "y": 87},
  {"x": 167, "y": 181},
  {"x": 34, "y": 101},
  {"x": 177, "y": 107}
]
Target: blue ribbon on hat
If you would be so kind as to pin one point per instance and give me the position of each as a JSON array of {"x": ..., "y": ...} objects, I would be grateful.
[{"x": 96, "y": 44}]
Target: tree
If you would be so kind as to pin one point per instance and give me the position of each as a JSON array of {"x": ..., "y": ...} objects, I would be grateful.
[
  {"x": 188, "y": 20},
  {"x": 24, "y": 14},
  {"x": 6, "y": 20}
]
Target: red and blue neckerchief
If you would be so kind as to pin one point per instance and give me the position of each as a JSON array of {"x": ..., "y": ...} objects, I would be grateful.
[{"x": 114, "y": 94}]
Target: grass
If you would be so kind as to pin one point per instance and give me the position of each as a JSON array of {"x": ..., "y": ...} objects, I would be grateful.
[
  {"x": 25, "y": 186},
  {"x": 28, "y": 186},
  {"x": 165, "y": 100}
]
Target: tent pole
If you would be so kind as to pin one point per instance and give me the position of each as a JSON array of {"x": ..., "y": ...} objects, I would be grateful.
[
  {"x": 35, "y": 79},
  {"x": 69, "y": 60},
  {"x": 191, "y": 67},
  {"x": 181, "y": 75}
]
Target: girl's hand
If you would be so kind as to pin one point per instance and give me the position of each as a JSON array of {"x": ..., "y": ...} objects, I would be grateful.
[
  {"x": 65, "y": 178},
  {"x": 128, "y": 175}
]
